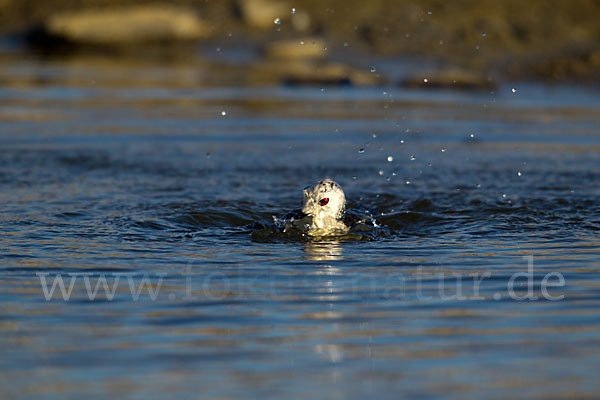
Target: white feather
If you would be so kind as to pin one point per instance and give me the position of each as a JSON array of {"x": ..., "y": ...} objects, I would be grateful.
[{"x": 326, "y": 214}]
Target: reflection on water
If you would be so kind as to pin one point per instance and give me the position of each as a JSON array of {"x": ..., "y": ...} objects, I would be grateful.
[
  {"x": 323, "y": 250},
  {"x": 121, "y": 169}
]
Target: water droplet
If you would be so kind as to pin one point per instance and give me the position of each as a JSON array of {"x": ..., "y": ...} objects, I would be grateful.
[
  {"x": 425, "y": 80},
  {"x": 472, "y": 135},
  {"x": 380, "y": 172},
  {"x": 374, "y": 136},
  {"x": 277, "y": 21},
  {"x": 223, "y": 113},
  {"x": 478, "y": 185},
  {"x": 293, "y": 11},
  {"x": 514, "y": 90},
  {"x": 407, "y": 182},
  {"x": 401, "y": 141},
  {"x": 443, "y": 150},
  {"x": 393, "y": 174},
  {"x": 302, "y": 42},
  {"x": 519, "y": 173},
  {"x": 360, "y": 151},
  {"x": 373, "y": 69},
  {"x": 484, "y": 34},
  {"x": 413, "y": 158},
  {"x": 390, "y": 158},
  {"x": 503, "y": 195}
]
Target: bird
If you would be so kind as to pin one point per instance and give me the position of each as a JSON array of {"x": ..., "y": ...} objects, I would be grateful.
[
  {"x": 323, "y": 214},
  {"x": 325, "y": 203}
]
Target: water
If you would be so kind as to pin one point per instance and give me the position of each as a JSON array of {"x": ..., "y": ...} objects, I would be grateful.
[{"x": 121, "y": 169}]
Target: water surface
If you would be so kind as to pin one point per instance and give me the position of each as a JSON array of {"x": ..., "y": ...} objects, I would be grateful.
[{"x": 116, "y": 169}]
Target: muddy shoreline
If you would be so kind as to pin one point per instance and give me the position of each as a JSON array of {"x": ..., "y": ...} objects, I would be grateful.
[{"x": 541, "y": 40}]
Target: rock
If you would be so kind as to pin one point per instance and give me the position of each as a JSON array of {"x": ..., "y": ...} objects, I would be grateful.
[
  {"x": 262, "y": 13},
  {"x": 328, "y": 73},
  {"x": 308, "y": 48},
  {"x": 300, "y": 62},
  {"x": 312, "y": 72},
  {"x": 450, "y": 79},
  {"x": 595, "y": 58},
  {"x": 301, "y": 21},
  {"x": 149, "y": 23},
  {"x": 582, "y": 64}
]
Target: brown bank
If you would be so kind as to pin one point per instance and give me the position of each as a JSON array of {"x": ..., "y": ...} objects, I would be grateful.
[{"x": 541, "y": 39}]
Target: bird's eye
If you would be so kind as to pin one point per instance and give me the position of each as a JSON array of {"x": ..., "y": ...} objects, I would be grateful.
[{"x": 324, "y": 201}]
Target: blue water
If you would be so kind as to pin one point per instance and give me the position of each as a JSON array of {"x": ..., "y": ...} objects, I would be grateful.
[{"x": 126, "y": 171}]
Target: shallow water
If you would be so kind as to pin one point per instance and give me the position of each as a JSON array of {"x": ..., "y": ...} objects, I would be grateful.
[{"x": 129, "y": 171}]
